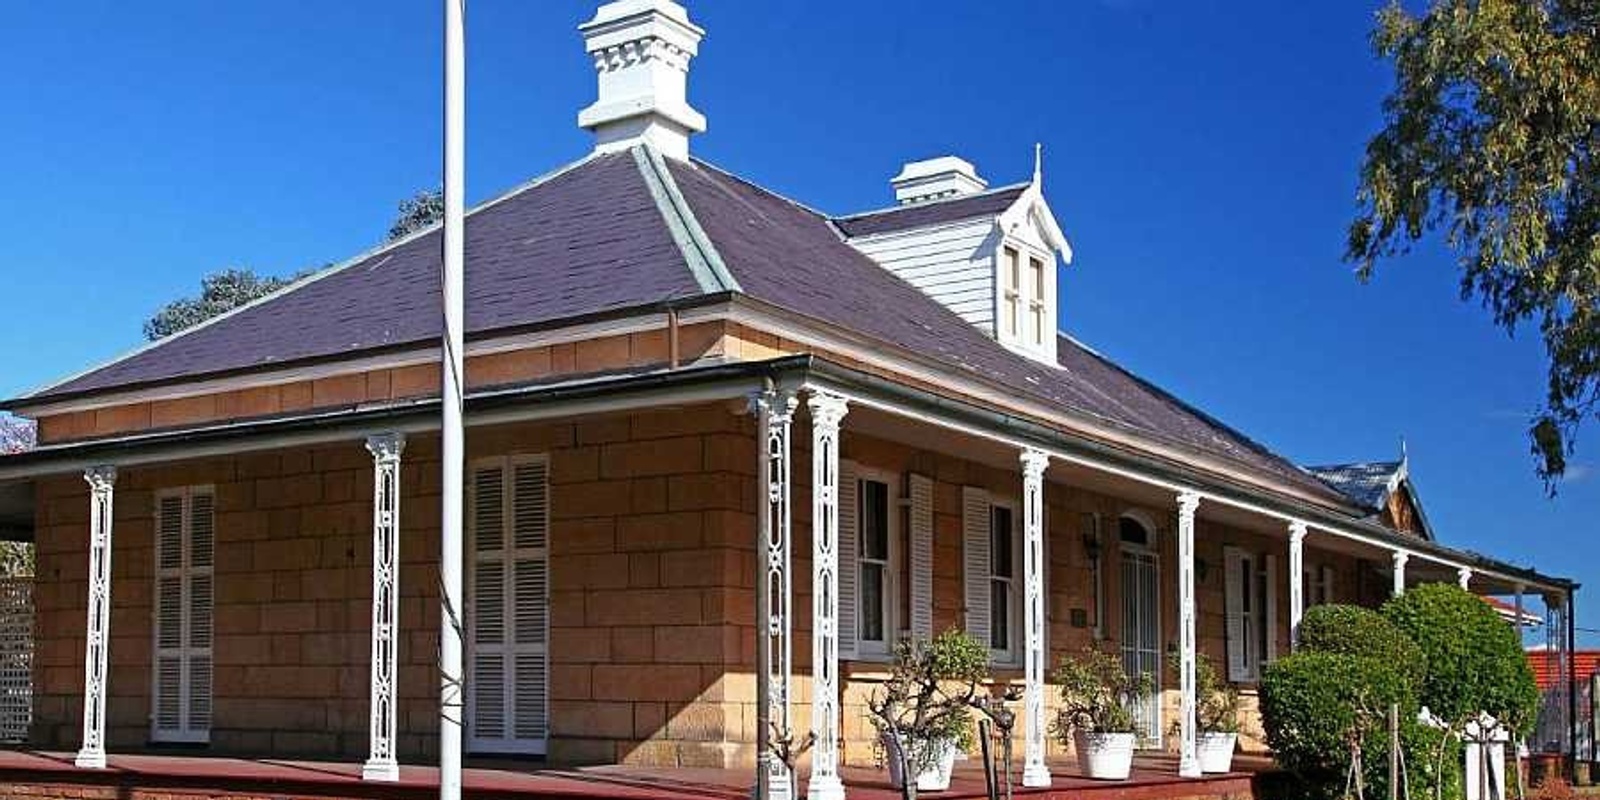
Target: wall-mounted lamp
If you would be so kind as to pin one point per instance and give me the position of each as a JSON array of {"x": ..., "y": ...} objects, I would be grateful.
[{"x": 1091, "y": 537}]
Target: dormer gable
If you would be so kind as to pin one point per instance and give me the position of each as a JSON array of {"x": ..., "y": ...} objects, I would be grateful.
[{"x": 990, "y": 255}]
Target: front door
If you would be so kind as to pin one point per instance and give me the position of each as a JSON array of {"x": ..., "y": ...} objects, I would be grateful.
[{"x": 1141, "y": 634}]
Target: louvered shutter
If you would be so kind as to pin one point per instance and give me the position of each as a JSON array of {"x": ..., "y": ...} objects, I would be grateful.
[
  {"x": 489, "y": 713},
  {"x": 530, "y": 598},
  {"x": 1235, "y": 573},
  {"x": 975, "y": 521},
  {"x": 181, "y": 680},
  {"x": 508, "y": 692},
  {"x": 849, "y": 543},
  {"x": 1328, "y": 595},
  {"x": 1269, "y": 600},
  {"x": 921, "y": 558}
]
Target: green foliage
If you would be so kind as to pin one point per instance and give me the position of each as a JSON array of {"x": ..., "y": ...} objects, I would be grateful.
[
  {"x": 1357, "y": 631},
  {"x": 1097, "y": 695},
  {"x": 929, "y": 695},
  {"x": 16, "y": 435},
  {"x": 1474, "y": 661},
  {"x": 1315, "y": 706},
  {"x": 418, "y": 212},
  {"x": 1216, "y": 701},
  {"x": 1491, "y": 137},
  {"x": 220, "y": 292}
]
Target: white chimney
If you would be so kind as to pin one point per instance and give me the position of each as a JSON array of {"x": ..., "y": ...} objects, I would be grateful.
[
  {"x": 936, "y": 178},
  {"x": 641, "y": 50}
]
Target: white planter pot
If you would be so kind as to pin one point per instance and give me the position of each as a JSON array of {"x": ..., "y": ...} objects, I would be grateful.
[
  {"x": 1105, "y": 756},
  {"x": 935, "y": 778},
  {"x": 1214, "y": 751}
]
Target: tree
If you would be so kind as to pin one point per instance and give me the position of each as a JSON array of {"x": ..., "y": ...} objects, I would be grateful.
[
  {"x": 220, "y": 292},
  {"x": 16, "y": 435},
  {"x": 418, "y": 212},
  {"x": 1491, "y": 136}
]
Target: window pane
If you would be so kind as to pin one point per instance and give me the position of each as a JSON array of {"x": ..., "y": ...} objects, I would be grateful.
[
  {"x": 1000, "y": 541},
  {"x": 872, "y": 602},
  {"x": 1013, "y": 273},
  {"x": 1036, "y": 272},
  {"x": 1000, "y": 615},
  {"x": 874, "y": 520}
]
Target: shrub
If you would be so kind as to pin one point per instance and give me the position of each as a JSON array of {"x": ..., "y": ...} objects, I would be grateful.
[
  {"x": 1474, "y": 661},
  {"x": 1316, "y": 706},
  {"x": 929, "y": 695},
  {"x": 1357, "y": 631},
  {"x": 1216, "y": 701}
]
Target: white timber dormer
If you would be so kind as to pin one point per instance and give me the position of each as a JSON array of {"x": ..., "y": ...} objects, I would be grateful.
[{"x": 990, "y": 255}]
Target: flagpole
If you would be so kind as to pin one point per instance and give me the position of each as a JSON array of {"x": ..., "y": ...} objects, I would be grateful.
[{"x": 451, "y": 619}]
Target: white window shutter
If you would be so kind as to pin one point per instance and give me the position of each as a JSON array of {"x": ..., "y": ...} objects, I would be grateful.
[
  {"x": 1235, "y": 573},
  {"x": 975, "y": 521},
  {"x": 509, "y": 607},
  {"x": 1271, "y": 606},
  {"x": 181, "y": 679},
  {"x": 921, "y": 556},
  {"x": 849, "y": 543}
]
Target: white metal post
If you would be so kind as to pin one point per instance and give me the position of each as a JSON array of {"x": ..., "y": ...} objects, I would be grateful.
[
  {"x": 1297, "y": 588},
  {"x": 827, "y": 411},
  {"x": 774, "y": 648},
  {"x": 1399, "y": 558},
  {"x": 1188, "y": 761},
  {"x": 1034, "y": 770},
  {"x": 1464, "y": 578},
  {"x": 382, "y": 764},
  {"x": 102, "y": 483},
  {"x": 452, "y": 626}
]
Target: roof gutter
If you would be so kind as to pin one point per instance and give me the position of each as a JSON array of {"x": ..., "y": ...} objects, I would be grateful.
[
  {"x": 604, "y": 394},
  {"x": 1152, "y": 470}
]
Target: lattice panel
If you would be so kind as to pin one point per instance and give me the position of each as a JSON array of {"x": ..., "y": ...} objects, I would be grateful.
[{"x": 16, "y": 658}]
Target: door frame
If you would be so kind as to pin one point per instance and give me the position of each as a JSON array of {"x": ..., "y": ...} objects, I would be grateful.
[{"x": 1149, "y": 551}]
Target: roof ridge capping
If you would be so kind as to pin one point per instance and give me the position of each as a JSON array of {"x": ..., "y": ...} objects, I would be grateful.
[
  {"x": 699, "y": 252},
  {"x": 300, "y": 283}
]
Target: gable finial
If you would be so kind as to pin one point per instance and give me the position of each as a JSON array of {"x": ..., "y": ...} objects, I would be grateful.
[{"x": 1038, "y": 162}]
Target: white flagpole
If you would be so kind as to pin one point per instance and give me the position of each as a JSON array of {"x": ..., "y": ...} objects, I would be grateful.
[{"x": 451, "y": 619}]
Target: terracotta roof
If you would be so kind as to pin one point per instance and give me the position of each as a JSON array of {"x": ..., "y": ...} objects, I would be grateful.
[
  {"x": 934, "y": 212},
  {"x": 1546, "y": 665},
  {"x": 596, "y": 237}
]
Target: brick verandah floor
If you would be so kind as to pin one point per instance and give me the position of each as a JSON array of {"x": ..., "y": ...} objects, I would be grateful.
[{"x": 31, "y": 774}]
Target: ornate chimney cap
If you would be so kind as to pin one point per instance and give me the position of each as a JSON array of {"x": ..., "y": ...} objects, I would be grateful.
[{"x": 641, "y": 51}]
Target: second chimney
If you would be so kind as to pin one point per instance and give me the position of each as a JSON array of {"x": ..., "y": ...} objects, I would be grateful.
[{"x": 935, "y": 179}]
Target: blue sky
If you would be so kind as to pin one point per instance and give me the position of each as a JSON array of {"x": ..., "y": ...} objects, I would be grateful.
[{"x": 1201, "y": 157}]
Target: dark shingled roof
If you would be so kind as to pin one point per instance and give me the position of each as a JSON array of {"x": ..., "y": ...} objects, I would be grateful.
[
  {"x": 593, "y": 238},
  {"x": 1365, "y": 483},
  {"x": 935, "y": 212},
  {"x": 548, "y": 251}
]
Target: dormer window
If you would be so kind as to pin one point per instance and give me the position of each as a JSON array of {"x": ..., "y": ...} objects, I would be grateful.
[{"x": 1012, "y": 274}]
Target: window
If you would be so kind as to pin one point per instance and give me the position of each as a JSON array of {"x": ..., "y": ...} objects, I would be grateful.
[
  {"x": 1002, "y": 577},
  {"x": 1036, "y": 307},
  {"x": 1317, "y": 583},
  {"x": 876, "y": 565},
  {"x": 185, "y": 541},
  {"x": 1011, "y": 273},
  {"x": 1251, "y": 599}
]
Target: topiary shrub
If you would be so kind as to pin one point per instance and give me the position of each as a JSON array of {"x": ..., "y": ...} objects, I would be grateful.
[
  {"x": 1474, "y": 660},
  {"x": 1357, "y": 631},
  {"x": 1319, "y": 708}
]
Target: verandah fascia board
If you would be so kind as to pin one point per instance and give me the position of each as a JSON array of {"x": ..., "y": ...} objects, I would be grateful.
[{"x": 1019, "y": 432}]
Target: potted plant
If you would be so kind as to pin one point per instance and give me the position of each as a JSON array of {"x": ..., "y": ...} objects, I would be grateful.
[
  {"x": 1216, "y": 716},
  {"x": 923, "y": 712},
  {"x": 1095, "y": 716}
]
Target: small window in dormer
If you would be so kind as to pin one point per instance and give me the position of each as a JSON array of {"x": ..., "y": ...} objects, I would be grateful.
[
  {"x": 1012, "y": 275},
  {"x": 1036, "y": 309}
]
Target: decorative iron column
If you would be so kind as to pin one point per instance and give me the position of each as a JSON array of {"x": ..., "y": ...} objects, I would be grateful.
[
  {"x": 774, "y": 644},
  {"x": 102, "y": 483},
  {"x": 1034, "y": 770},
  {"x": 1463, "y": 577},
  {"x": 1188, "y": 762},
  {"x": 1400, "y": 558},
  {"x": 385, "y": 449},
  {"x": 827, "y": 411},
  {"x": 1297, "y": 588}
]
